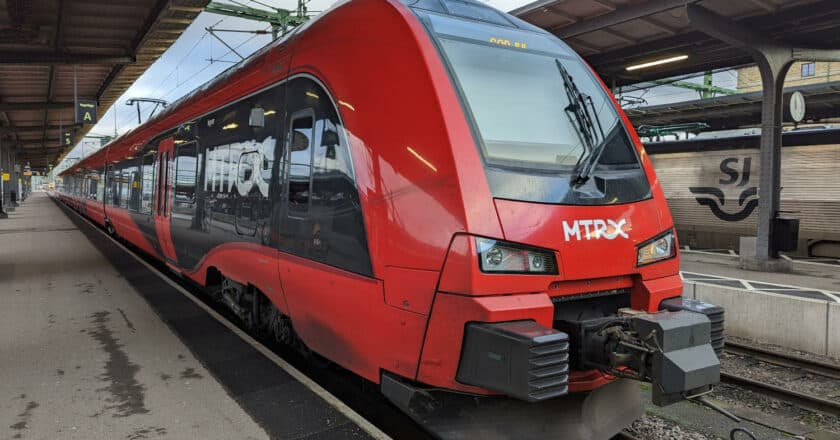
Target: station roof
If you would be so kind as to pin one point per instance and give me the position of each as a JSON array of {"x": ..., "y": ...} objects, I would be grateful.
[
  {"x": 110, "y": 43},
  {"x": 821, "y": 101},
  {"x": 614, "y": 34}
]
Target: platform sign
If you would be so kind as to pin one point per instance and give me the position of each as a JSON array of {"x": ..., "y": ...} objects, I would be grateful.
[
  {"x": 85, "y": 112},
  {"x": 7, "y": 177},
  {"x": 67, "y": 138}
]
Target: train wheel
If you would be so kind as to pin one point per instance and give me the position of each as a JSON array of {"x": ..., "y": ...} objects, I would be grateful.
[{"x": 277, "y": 326}]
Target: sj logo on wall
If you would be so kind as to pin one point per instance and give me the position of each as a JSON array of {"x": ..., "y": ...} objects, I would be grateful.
[{"x": 715, "y": 199}]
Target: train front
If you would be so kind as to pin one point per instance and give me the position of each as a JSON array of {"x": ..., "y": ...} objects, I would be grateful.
[{"x": 582, "y": 292}]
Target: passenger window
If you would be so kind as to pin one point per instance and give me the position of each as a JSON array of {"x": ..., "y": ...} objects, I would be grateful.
[
  {"x": 186, "y": 170},
  {"x": 113, "y": 195},
  {"x": 126, "y": 177},
  {"x": 135, "y": 182},
  {"x": 148, "y": 171},
  {"x": 100, "y": 187},
  {"x": 300, "y": 161},
  {"x": 324, "y": 220}
]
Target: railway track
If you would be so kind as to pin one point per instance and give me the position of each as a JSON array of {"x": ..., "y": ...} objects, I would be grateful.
[
  {"x": 825, "y": 369},
  {"x": 797, "y": 398}
]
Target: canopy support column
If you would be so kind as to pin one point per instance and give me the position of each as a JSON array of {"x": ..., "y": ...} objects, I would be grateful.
[{"x": 774, "y": 59}]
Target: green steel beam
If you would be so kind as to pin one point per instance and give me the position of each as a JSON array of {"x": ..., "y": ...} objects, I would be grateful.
[
  {"x": 707, "y": 90},
  {"x": 281, "y": 20}
]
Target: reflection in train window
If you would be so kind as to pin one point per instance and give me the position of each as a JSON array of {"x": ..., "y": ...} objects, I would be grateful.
[
  {"x": 300, "y": 160},
  {"x": 185, "y": 173}
]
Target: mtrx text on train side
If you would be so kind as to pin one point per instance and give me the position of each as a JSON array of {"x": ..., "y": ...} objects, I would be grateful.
[{"x": 436, "y": 196}]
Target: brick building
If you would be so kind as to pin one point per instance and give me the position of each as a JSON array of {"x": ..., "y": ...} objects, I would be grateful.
[{"x": 801, "y": 73}]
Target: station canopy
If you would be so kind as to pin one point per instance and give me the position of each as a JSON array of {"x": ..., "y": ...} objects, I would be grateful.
[
  {"x": 613, "y": 35},
  {"x": 726, "y": 112},
  {"x": 108, "y": 44}
]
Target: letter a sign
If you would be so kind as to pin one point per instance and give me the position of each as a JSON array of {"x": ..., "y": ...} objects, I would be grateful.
[{"x": 85, "y": 112}]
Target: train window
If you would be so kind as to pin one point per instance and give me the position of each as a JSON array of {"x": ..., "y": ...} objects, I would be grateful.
[
  {"x": 125, "y": 187},
  {"x": 148, "y": 183},
  {"x": 300, "y": 161},
  {"x": 186, "y": 170},
  {"x": 93, "y": 184},
  {"x": 324, "y": 220},
  {"x": 113, "y": 193},
  {"x": 135, "y": 183},
  {"x": 100, "y": 187}
]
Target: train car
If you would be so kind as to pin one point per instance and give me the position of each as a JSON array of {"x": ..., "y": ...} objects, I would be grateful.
[
  {"x": 436, "y": 196},
  {"x": 711, "y": 184}
]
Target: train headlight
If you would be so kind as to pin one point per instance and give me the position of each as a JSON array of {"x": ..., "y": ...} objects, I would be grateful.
[
  {"x": 496, "y": 256},
  {"x": 659, "y": 248}
]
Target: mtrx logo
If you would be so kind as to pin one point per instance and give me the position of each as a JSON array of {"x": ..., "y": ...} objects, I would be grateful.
[
  {"x": 233, "y": 166},
  {"x": 595, "y": 229}
]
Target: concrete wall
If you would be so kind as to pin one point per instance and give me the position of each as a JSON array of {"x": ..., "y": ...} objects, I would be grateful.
[
  {"x": 797, "y": 323},
  {"x": 834, "y": 330}
]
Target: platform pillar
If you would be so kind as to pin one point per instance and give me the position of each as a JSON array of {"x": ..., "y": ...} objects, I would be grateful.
[
  {"x": 2, "y": 185},
  {"x": 773, "y": 64},
  {"x": 7, "y": 166}
]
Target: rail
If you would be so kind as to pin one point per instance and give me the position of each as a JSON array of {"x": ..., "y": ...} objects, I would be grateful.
[{"x": 797, "y": 398}]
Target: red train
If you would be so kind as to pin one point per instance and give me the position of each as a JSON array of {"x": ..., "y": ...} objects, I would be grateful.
[{"x": 433, "y": 194}]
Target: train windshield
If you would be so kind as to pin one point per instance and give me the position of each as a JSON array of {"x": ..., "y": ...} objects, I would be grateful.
[
  {"x": 526, "y": 110},
  {"x": 546, "y": 128}
]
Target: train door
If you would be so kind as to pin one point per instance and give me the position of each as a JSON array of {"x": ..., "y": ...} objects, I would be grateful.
[{"x": 163, "y": 201}]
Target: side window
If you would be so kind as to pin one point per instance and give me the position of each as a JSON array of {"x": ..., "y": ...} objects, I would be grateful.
[
  {"x": 93, "y": 178},
  {"x": 148, "y": 183},
  {"x": 125, "y": 190},
  {"x": 240, "y": 142},
  {"x": 300, "y": 162},
  {"x": 186, "y": 171},
  {"x": 322, "y": 189},
  {"x": 135, "y": 182},
  {"x": 100, "y": 186},
  {"x": 112, "y": 194}
]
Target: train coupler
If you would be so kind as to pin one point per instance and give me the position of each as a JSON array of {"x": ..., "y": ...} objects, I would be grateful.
[{"x": 672, "y": 350}]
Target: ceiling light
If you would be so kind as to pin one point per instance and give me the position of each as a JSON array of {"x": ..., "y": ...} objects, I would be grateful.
[{"x": 657, "y": 62}]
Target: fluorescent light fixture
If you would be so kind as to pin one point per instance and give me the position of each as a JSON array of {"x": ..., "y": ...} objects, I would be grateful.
[
  {"x": 269, "y": 113},
  {"x": 230, "y": 126},
  {"x": 657, "y": 62},
  {"x": 312, "y": 95}
]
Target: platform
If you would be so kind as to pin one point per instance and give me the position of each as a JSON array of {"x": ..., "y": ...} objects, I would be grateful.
[
  {"x": 94, "y": 345},
  {"x": 796, "y": 311},
  {"x": 809, "y": 279}
]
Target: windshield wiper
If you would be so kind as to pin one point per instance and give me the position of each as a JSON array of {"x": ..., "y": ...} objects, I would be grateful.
[{"x": 582, "y": 109}]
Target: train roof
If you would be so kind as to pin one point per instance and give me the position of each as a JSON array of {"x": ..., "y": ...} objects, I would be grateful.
[{"x": 463, "y": 9}]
